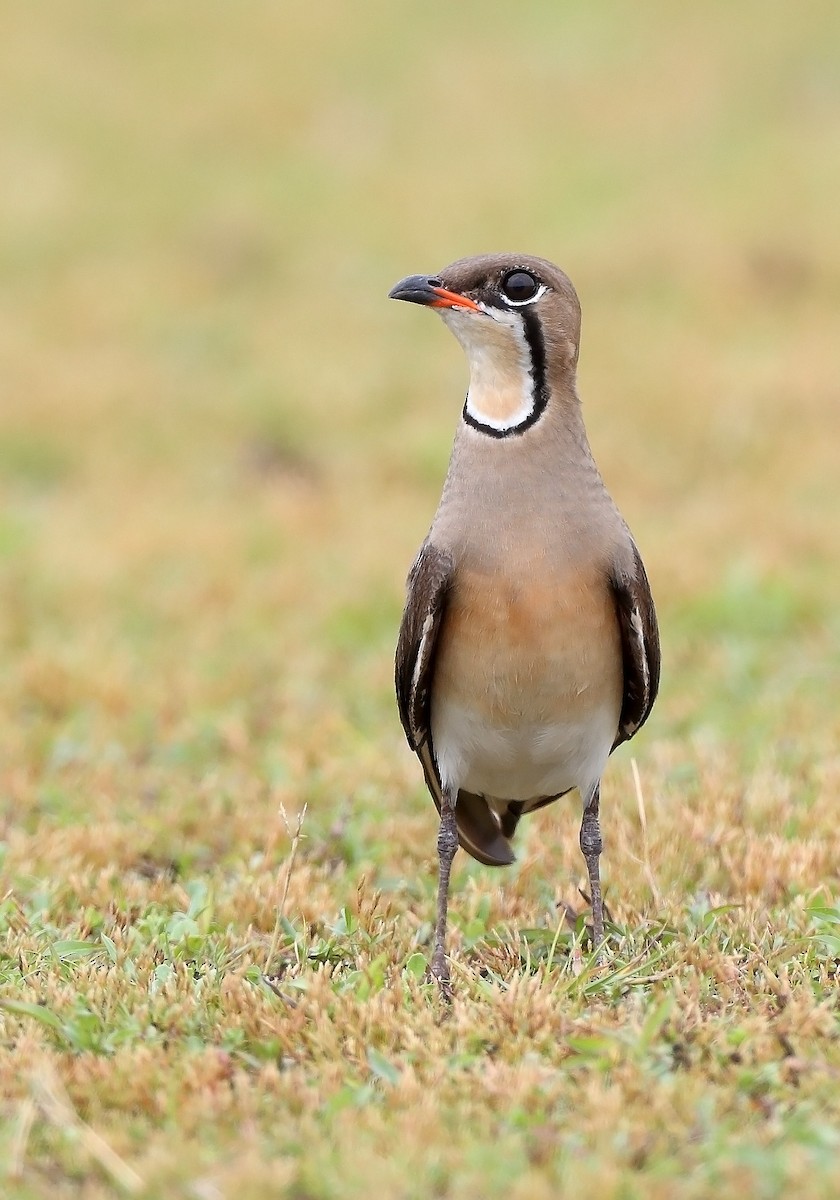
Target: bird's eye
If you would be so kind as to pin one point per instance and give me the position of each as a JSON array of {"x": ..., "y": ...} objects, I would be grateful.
[{"x": 519, "y": 286}]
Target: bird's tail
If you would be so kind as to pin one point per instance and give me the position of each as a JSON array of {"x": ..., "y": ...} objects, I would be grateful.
[{"x": 479, "y": 829}]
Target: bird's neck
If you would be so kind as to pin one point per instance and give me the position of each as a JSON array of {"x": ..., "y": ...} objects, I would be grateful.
[
  {"x": 494, "y": 482},
  {"x": 516, "y": 404}
]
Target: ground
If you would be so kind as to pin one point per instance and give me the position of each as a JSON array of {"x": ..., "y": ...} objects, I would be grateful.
[{"x": 220, "y": 446}]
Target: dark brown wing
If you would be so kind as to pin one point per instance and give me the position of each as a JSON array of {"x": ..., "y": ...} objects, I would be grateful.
[
  {"x": 428, "y": 585},
  {"x": 639, "y": 646},
  {"x": 429, "y": 582}
]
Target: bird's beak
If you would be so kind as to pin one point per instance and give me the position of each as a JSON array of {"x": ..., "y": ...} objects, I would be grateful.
[{"x": 422, "y": 289}]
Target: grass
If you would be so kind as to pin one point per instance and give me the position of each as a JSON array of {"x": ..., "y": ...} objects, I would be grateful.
[{"x": 219, "y": 449}]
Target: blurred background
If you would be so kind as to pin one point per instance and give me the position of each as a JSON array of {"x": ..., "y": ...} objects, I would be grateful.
[{"x": 220, "y": 444}]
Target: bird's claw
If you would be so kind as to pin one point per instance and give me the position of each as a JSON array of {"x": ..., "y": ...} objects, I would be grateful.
[{"x": 439, "y": 971}]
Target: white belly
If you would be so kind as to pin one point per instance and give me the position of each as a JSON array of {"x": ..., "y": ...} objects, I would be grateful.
[{"x": 521, "y": 763}]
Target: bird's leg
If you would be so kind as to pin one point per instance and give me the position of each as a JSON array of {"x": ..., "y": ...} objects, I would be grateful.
[
  {"x": 447, "y": 844},
  {"x": 591, "y": 845}
]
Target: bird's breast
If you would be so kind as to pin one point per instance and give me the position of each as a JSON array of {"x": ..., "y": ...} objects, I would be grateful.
[{"x": 528, "y": 680}]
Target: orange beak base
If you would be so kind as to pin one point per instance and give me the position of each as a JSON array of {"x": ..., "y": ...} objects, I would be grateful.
[{"x": 423, "y": 289}]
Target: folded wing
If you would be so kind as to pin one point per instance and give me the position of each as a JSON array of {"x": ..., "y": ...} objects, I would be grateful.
[{"x": 639, "y": 646}]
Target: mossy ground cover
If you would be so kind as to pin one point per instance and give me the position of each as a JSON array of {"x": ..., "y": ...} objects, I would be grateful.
[{"x": 219, "y": 449}]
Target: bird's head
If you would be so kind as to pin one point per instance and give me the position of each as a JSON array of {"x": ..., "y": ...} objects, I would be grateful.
[{"x": 518, "y": 319}]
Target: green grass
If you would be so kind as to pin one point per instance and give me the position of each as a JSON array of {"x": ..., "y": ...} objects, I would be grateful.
[{"x": 220, "y": 447}]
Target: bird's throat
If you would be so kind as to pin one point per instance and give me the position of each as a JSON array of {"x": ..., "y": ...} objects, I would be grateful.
[
  {"x": 506, "y": 359},
  {"x": 500, "y": 410}
]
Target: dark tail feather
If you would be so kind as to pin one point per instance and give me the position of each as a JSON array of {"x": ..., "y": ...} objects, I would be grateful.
[{"x": 479, "y": 832}]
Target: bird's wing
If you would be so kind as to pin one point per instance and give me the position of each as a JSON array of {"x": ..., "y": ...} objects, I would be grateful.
[
  {"x": 428, "y": 585},
  {"x": 429, "y": 582},
  {"x": 639, "y": 645}
]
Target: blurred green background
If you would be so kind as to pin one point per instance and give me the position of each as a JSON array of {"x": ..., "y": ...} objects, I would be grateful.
[
  {"x": 220, "y": 444},
  {"x": 214, "y": 427}
]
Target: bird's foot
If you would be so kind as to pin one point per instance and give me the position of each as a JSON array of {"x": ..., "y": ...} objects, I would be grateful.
[
  {"x": 439, "y": 971},
  {"x": 598, "y": 943}
]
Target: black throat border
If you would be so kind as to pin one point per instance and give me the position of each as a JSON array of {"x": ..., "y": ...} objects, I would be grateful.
[{"x": 539, "y": 386}]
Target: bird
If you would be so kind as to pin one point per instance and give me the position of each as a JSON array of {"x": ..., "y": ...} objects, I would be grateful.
[{"x": 528, "y": 648}]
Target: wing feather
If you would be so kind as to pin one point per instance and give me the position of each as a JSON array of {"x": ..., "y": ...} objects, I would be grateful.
[
  {"x": 428, "y": 585},
  {"x": 639, "y": 646}
]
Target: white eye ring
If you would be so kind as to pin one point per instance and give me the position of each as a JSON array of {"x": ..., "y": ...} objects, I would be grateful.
[{"x": 541, "y": 291}]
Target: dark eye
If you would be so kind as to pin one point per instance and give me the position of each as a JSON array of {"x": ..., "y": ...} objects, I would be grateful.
[{"x": 519, "y": 286}]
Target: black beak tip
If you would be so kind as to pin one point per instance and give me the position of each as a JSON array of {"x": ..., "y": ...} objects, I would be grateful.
[{"x": 416, "y": 289}]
